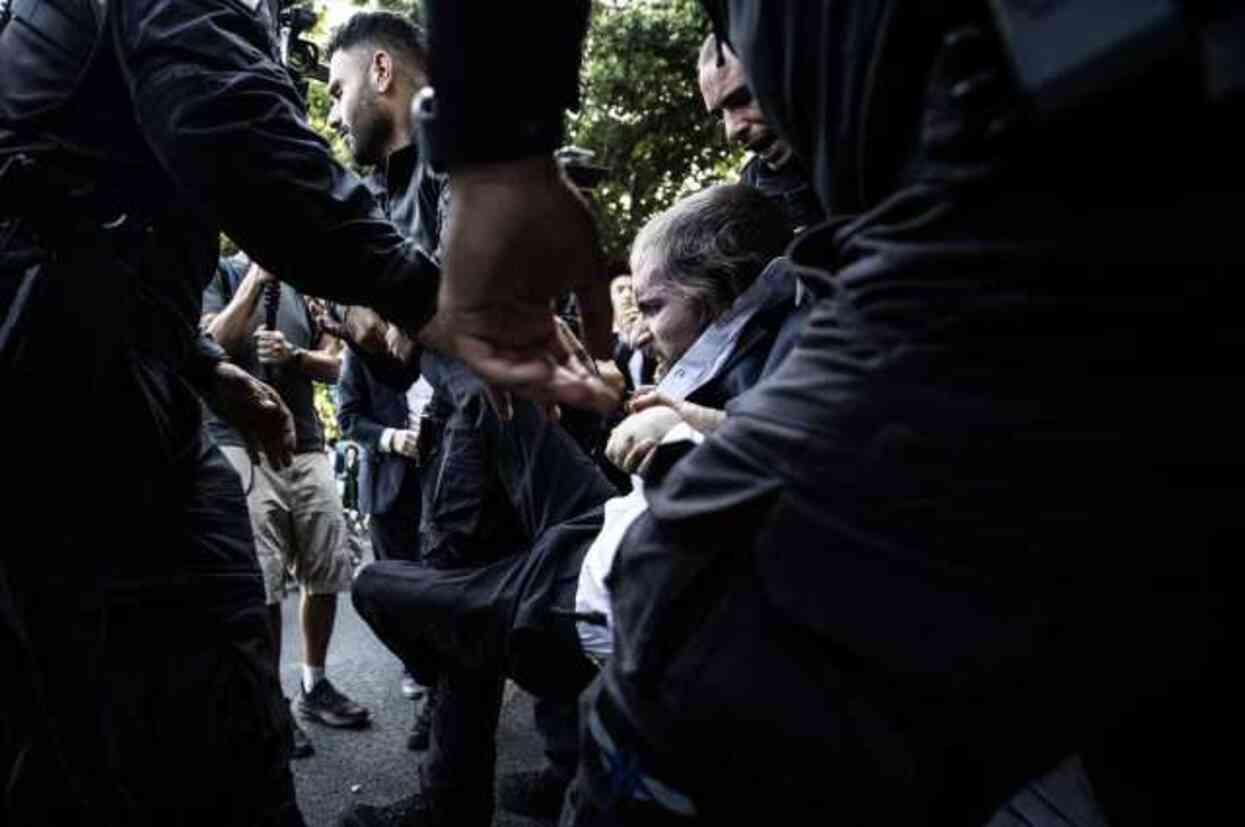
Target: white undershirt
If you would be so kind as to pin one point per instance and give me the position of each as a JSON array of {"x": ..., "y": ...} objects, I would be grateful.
[
  {"x": 591, "y": 594},
  {"x": 418, "y": 396}
]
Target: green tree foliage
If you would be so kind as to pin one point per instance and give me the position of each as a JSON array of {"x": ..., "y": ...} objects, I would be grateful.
[
  {"x": 642, "y": 113},
  {"x": 412, "y": 7},
  {"x": 326, "y": 409}
]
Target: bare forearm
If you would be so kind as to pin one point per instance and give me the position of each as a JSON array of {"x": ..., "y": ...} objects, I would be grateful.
[
  {"x": 236, "y": 322},
  {"x": 320, "y": 365},
  {"x": 701, "y": 418}
]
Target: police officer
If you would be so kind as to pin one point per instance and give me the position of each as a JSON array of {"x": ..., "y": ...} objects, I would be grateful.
[
  {"x": 138, "y": 679},
  {"x": 865, "y": 597},
  {"x": 772, "y": 168}
]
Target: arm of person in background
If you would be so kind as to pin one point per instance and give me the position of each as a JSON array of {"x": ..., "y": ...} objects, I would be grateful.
[
  {"x": 225, "y": 122},
  {"x": 252, "y": 407},
  {"x": 230, "y": 324},
  {"x": 369, "y": 338},
  {"x": 354, "y": 407},
  {"x": 322, "y": 364},
  {"x": 359, "y": 327}
]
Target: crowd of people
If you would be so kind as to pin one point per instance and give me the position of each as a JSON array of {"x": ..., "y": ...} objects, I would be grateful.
[{"x": 889, "y": 485}]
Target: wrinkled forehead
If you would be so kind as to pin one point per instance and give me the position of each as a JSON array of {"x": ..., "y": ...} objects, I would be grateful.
[
  {"x": 647, "y": 277},
  {"x": 718, "y": 82}
]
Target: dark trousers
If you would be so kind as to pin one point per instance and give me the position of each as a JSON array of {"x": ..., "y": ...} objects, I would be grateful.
[
  {"x": 149, "y": 698},
  {"x": 467, "y": 630},
  {"x": 395, "y": 534},
  {"x": 468, "y": 517},
  {"x": 138, "y": 679},
  {"x": 557, "y": 721},
  {"x": 510, "y": 510}
]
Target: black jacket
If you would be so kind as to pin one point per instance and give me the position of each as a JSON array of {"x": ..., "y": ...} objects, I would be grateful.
[
  {"x": 409, "y": 193},
  {"x": 179, "y": 116},
  {"x": 367, "y": 406},
  {"x": 788, "y": 187},
  {"x": 129, "y": 140}
]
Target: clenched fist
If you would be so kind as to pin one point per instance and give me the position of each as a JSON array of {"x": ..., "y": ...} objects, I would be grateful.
[{"x": 273, "y": 348}]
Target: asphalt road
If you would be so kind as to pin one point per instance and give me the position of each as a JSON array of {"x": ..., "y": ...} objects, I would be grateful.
[{"x": 373, "y": 765}]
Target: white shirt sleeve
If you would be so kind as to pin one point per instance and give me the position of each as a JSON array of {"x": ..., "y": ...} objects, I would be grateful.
[{"x": 591, "y": 594}]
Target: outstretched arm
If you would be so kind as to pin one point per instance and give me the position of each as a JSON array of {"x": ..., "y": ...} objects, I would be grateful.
[
  {"x": 517, "y": 234},
  {"x": 222, "y": 117}
]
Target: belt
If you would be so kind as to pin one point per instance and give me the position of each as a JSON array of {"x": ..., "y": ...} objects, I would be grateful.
[{"x": 627, "y": 777}]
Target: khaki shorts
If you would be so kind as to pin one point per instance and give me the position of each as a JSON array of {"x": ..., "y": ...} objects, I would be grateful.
[{"x": 297, "y": 519}]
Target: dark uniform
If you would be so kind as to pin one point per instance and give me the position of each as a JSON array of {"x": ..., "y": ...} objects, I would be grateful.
[
  {"x": 372, "y": 390},
  {"x": 972, "y": 524},
  {"x": 788, "y": 188},
  {"x": 138, "y": 684}
]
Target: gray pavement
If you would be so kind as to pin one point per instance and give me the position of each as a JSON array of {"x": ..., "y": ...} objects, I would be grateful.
[{"x": 373, "y": 765}]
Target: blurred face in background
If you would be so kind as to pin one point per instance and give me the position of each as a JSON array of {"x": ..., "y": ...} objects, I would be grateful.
[
  {"x": 622, "y": 301},
  {"x": 621, "y": 294}
]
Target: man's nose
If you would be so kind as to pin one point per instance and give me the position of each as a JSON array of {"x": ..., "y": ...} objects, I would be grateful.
[{"x": 335, "y": 120}]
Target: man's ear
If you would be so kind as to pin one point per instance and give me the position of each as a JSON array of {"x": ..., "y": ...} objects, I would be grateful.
[{"x": 382, "y": 71}]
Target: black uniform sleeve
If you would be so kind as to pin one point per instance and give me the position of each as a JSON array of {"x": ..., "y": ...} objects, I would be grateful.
[
  {"x": 223, "y": 119},
  {"x": 480, "y": 119}
]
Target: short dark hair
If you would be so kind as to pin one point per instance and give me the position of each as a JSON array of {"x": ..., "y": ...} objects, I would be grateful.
[
  {"x": 384, "y": 29},
  {"x": 713, "y": 245}
]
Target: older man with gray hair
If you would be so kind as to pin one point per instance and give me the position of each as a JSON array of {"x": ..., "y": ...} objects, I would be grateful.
[{"x": 720, "y": 306}]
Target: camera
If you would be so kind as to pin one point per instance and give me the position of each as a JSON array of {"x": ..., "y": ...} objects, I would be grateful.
[
  {"x": 300, "y": 56},
  {"x": 578, "y": 166}
]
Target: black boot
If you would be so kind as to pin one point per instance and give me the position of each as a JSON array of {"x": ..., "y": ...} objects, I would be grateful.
[
  {"x": 424, "y": 809},
  {"x": 414, "y": 811}
]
